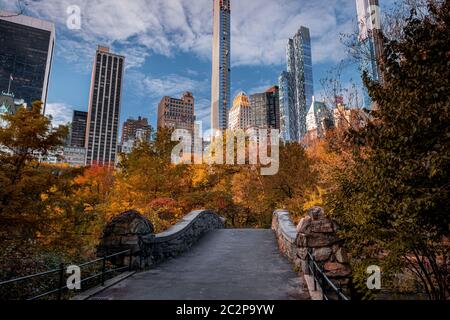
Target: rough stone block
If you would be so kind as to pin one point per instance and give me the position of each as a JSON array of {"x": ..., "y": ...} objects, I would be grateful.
[
  {"x": 316, "y": 240},
  {"x": 302, "y": 253},
  {"x": 335, "y": 269},
  {"x": 301, "y": 240},
  {"x": 341, "y": 255},
  {"x": 322, "y": 226},
  {"x": 321, "y": 254},
  {"x": 303, "y": 225},
  {"x": 316, "y": 213}
]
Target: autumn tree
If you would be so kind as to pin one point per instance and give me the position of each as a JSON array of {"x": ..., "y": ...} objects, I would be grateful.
[
  {"x": 393, "y": 204},
  {"x": 27, "y": 133}
]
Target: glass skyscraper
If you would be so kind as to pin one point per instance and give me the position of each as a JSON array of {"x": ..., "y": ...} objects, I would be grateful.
[
  {"x": 220, "y": 88},
  {"x": 265, "y": 109},
  {"x": 296, "y": 86},
  {"x": 370, "y": 42},
  {"x": 26, "y": 53}
]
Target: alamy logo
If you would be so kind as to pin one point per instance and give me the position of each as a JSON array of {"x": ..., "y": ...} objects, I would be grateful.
[
  {"x": 74, "y": 280},
  {"x": 74, "y": 17},
  {"x": 262, "y": 146},
  {"x": 374, "y": 279}
]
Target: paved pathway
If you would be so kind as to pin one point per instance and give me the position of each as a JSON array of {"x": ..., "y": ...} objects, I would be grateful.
[{"x": 225, "y": 264}]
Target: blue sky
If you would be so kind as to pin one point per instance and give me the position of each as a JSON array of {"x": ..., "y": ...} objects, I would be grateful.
[{"x": 167, "y": 45}]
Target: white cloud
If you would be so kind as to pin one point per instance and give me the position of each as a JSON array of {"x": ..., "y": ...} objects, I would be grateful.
[
  {"x": 168, "y": 85},
  {"x": 61, "y": 113},
  {"x": 260, "y": 28}
]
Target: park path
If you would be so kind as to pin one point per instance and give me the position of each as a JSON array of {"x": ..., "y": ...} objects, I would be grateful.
[{"x": 225, "y": 264}]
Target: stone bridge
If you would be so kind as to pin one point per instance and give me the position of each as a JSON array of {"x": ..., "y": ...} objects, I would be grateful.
[{"x": 199, "y": 259}]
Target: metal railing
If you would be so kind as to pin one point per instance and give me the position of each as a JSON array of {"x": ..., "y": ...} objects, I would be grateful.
[
  {"x": 59, "y": 290},
  {"x": 321, "y": 280}
]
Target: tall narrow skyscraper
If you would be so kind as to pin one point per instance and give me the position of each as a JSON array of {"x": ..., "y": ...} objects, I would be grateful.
[
  {"x": 104, "y": 108},
  {"x": 220, "y": 87},
  {"x": 296, "y": 86},
  {"x": 370, "y": 42},
  {"x": 26, "y": 54}
]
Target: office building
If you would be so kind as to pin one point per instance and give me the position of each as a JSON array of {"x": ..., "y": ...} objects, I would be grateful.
[
  {"x": 221, "y": 65},
  {"x": 319, "y": 119},
  {"x": 177, "y": 113},
  {"x": 78, "y": 129},
  {"x": 265, "y": 109},
  {"x": 240, "y": 113},
  {"x": 26, "y": 54},
  {"x": 104, "y": 108},
  {"x": 74, "y": 156},
  {"x": 296, "y": 86},
  {"x": 344, "y": 117},
  {"x": 133, "y": 127}
]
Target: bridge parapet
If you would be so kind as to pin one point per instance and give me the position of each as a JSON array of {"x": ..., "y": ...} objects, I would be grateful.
[
  {"x": 131, "y": 230},
  {"x": 286, "y": 235},
  {"x": 315, "y": 238}
]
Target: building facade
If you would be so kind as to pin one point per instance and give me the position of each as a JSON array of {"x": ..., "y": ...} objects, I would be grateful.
[
  {"x": 265, "y": 109},
  {"x": 318, "y": 120},
  {"x": 288, "y": 112},
  {"x": 26, "y": 54},
  {"x": 221, "y": 65},
  {"x": 74, "y": 156},
  {"x": 177, "y": 113},
  {"x": 132, "y": 127},
  {"x": 104, "y": 108},
  {"x": 78, "y": 129},
  {"x": 370, "y": 41},
  {"x": 240, "y": 116},
  {"x": 296, "y": 86}
]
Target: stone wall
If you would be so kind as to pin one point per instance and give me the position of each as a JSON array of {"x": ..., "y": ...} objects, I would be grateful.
[
  {"x": 317, "y": 234},
  {"x": 184, "y": 234},
  {"x": 131, "y": 230},
  {"x": 286, "y": 235}
]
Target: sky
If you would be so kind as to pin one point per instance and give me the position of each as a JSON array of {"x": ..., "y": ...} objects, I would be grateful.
[{"x": 167, "y": 47}]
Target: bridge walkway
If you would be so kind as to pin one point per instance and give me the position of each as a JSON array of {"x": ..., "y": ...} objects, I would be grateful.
[{"x": 225, "y": 264}]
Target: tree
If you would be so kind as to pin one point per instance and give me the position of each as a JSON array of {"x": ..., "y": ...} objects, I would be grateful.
[
  {"x": 26, "y": 134},
  {"x": 393, "y": 203}
]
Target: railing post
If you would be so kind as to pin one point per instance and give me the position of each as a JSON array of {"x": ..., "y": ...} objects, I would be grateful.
[
  {"x": 130, "y": 260},
  {"x": 61, "y": 280},
  {"x": 103, "y": 270}
]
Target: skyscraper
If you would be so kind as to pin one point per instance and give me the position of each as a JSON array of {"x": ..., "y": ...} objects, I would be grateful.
[
  {"x": 296, "y": 86},
  {"x": 220, "y": 88},
  {"x": 265, "y": 109},
  {"x": 240, "y": 113},
  {"x": 370, "y": 42},
  {"x": 78, "y": 129},
  {"x": 104, "y": 107},
  {"x": 177, "y": 113},
  {"x": 26, "y": 53}
]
